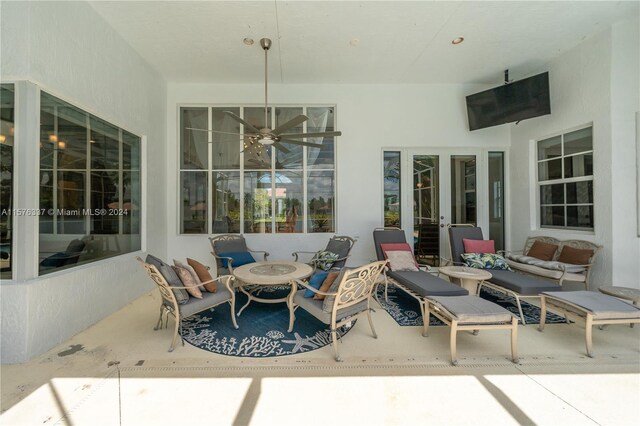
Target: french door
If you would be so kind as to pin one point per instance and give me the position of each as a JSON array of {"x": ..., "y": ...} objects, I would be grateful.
[{"x": 449, "y": 187}]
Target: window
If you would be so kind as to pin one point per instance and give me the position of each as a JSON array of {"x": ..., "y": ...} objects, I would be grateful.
[
  {"x": 565, "y": 180},
  {"x": 230, "y": 185},
  {"x": 496, "y": 198},
  {"x": 7, "y": 126},
  {"x": 392, "y": 200},
  {"x": 89, "y": 187}
]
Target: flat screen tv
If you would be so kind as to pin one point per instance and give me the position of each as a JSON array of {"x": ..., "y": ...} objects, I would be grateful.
[{"x": 512, "y": 102}]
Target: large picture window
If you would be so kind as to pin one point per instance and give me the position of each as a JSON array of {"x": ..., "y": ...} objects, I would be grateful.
[
  {"x": 565, "y": 180},
  {"x": 7, "y": 129},
  {"x": 230, "y": 185},
  {"x": 89, "y": 187}
]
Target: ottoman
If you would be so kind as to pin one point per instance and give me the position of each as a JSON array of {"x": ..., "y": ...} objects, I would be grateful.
[
  {"x": 471, "y": 313},
  {"x": 589, "y": 307}
]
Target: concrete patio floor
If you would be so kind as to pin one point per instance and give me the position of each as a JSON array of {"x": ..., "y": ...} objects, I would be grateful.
[{"x": 400, "y": 378}]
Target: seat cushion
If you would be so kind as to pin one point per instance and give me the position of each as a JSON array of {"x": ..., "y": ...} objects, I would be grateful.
[
  {"x": 383, "y": 236},
  {"x": 425, "y": 284},
  {"x": 545, "y": 272},
  {"x": 525, "y": 285},
  {"x": 208, "y": 300},
  {"x": 602, "y": 306},
  {"x": 230, "y": 246},
  {"x": 473, "y": 309},
  {"x": 314, "y": 307}
]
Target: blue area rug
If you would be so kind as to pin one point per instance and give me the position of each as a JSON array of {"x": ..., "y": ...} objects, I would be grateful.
[
  {"x": 263, "y": 328},
  {"x": 405, "y": 310}
]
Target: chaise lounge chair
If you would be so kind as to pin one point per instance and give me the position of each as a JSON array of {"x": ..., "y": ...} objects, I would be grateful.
[
  {"x": 418, "y": 284},
  {"x": 518, "y": 285}
]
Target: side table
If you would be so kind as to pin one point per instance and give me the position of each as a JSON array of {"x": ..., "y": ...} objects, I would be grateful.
[{"x": 465, "y": 277}]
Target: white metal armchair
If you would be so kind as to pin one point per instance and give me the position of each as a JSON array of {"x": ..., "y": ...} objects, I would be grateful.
[
  {"x": 229, "y": 243},
  {"x": 338, "y": 244},
  {"x": 347, "y": 299}
]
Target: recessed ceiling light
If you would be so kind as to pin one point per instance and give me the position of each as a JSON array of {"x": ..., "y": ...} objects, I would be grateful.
[
  {"x": 248, "y": 41},
  {"x": 354, "y": 42},
  {"x": 457, "y": 40}
]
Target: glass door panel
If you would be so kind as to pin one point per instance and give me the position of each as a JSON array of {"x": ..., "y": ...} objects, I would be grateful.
[
  {"x": 426, "y": 208},
  {"x": 463, "y": 190}
]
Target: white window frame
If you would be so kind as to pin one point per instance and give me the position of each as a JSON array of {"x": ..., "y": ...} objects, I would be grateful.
[
  {"x": 562, "y": 180},
  {"x": 241, "y": 170}
]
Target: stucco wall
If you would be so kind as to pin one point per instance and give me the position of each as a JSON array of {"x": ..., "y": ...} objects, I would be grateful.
[
  {"x": 596, "y": 82},
  {"x": 70, "y": 51},
  {"x": 371, "y": 117}
]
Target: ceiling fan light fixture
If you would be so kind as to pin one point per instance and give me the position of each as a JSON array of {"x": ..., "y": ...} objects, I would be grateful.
[
  {"x": 457, "y": 40},
  {"x": 266, "y": 141}
]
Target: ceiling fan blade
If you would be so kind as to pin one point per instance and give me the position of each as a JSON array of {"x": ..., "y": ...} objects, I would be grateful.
[
  {"x": 313, "y": 145},
  {"x": 281, "y": 147},
  {"x": 289, "y": 124},
  {"x": 219, "y": 131},
  {"x": 240, "y": 120},
  {"x": 311, "y": 135}
]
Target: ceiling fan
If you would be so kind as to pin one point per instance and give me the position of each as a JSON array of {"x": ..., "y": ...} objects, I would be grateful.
[{"x": 277, "y": 136}]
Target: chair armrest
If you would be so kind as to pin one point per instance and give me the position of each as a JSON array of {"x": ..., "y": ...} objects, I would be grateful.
[
  {"x": 265, "y": 254},
  {"x": 315, "y": 290},
  {"x": 295, "y": 253},
  {"x": 563, "y": 267}
]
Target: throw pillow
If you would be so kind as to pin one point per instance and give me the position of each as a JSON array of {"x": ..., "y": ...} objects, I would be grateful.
[
  {"x": 485, "y": 261},
  {"x": 327, "y": 304},
  {"x": 575, "y": 256},
  {"x": 190, "y": 269},
  {"x": 188, "y": 282},
  {"x": 316, "y": 281},
  {"x": 478, "y": 246},
  {"x": 204, "y": 275},
  {"x": 237, "y": 258},
  {"x": 170, "y": 277},
  {"x": 542, "y": 251},
  {"x": 395, "y": 247},
  {"x": 326, "y": 284},
  {"x": 325, "y": 259},
  {"x": 401, "y": 261}
]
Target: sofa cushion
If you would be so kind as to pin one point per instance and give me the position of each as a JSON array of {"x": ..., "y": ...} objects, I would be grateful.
[
  {"x": 426, "y": 284},
  {"x": 600, "y": 305},
  {"x": 472, "y": 309},
  {"x": 575, "y": 256},
  {"x": 542, "y": 251},
  {"x": 479, "y": 246},
  {"x": 525, "y": 285},
  {"x": 238, "y": 258},
  {"x": 401, "y": 260},
  {"x": 326, "y": 284},
  {"x": 208, "y": 300},
  {"x": 485, "y": 261},
  {"x": 315, "y": 281},
  {"x": 553, "y": 273},
  {"x": 204, "y": 275},
  {"x": 188, "y": 281},
  {"x": 170, "y": 277},
  {"x": 315, "y": 308}
]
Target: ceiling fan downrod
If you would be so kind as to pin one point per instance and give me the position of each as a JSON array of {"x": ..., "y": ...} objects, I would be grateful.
[{"x": 266, "y": 44}]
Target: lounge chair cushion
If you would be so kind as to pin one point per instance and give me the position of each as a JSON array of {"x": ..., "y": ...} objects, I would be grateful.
[
  {"x": 473, "y": 309},
  {"x": 208, "y": 299},
  {"x": 600, "y": 305},
  {"x": 339, "y": 247},
  {"x": 314, "y": 307},
  {"x": 425, "y": 284},
  {"x": 387, "y": 236},
  {"x": 457, "y": 235},
  {"x": 525, "y": 285}
]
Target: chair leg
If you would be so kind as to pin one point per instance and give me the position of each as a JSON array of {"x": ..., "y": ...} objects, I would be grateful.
[
  {"x": 452, "y": 342},
  {"x": 175, "y": 334},
  {"x": 424, "y": 307},
  {"x": 514, "y": 340},
  {"x": 159, "y": 323},
  {"x": 373, "y": 330},
  {"x": 520, "y": 310},
  {"x": 543, "y": 313},
  {"x": 232, "y": 302},
  {"x": 334, "y": 339},
  {"x": 588, "y": 335},
  {"x": 386, "y": 285}
]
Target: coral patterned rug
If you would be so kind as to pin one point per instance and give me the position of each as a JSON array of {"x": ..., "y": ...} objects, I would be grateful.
[{"x": 263, "y": 328}]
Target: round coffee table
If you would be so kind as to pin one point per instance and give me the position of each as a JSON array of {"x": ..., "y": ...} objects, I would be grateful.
[
  {"x": 465, "y": 277},
  {"x": 270, "y": 273}
]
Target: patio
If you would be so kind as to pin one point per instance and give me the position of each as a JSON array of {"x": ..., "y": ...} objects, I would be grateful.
[{"x": 403, "y": 377}]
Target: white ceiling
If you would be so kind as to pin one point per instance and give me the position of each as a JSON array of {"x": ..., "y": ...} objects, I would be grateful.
[{"x": 399, "y": 42}]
